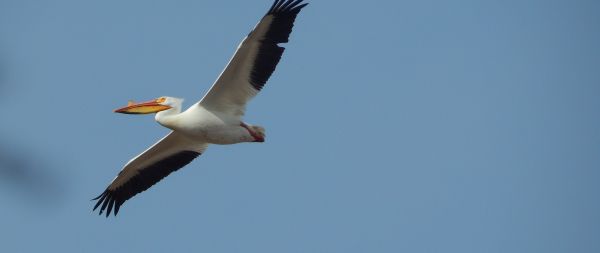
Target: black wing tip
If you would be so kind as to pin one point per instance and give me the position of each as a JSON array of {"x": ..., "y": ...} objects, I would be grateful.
[
  {"x": 286, "y": 6},
  {"x": 283, "y": 13},
  {"x": 111, "y": 200},
  {"x": 96, "y": 198},
  {"x": 299, "y": 7},
  {"x": 108, "y": 200}
]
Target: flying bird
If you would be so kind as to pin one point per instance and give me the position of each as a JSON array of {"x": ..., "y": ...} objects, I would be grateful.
[{"x": 215, "y": 119}]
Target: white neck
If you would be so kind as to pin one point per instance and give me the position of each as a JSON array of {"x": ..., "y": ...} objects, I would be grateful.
[{"x": 167, "y": 118}]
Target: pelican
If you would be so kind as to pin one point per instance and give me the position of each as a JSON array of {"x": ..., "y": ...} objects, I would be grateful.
[{"x": 215, "y": 119}]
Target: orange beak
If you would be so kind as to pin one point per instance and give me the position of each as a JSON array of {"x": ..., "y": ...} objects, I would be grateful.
[{"x": 143, "y": 107}]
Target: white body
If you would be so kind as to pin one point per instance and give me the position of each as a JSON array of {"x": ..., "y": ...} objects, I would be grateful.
[{"x": 205, "y": 126}]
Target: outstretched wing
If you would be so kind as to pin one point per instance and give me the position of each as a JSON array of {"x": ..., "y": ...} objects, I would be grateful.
[
  {"x": 254, "y": 61},
  {"x": 168, "y": 155}
]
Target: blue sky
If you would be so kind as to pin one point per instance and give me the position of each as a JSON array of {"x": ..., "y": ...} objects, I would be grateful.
[{"x": 396, "y": 126}]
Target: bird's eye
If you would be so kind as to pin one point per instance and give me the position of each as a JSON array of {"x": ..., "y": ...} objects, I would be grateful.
[{"x": 161, "y": 100}]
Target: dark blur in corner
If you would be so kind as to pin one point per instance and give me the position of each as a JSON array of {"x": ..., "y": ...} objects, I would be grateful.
[{"x": 24, "y": 174}]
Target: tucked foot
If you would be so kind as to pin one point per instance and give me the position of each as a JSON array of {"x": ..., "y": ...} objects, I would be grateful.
[
  {"x": 259, "y": 133},
  {"x": 256, "y": 131}
]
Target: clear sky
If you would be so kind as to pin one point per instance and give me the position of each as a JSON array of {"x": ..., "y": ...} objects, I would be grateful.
[{"x": 392, "y": 126}]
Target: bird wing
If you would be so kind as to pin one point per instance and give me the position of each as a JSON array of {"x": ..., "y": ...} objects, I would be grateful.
[
  {"x": 254, "y": 61},
  {"x": 167, "y": 155}
]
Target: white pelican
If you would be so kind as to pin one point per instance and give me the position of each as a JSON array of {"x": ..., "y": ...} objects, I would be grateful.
[{"x": 216, "y": 119}]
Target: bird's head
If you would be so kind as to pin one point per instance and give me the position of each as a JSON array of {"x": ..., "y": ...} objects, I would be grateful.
[{"x": 152, "y": 106}]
